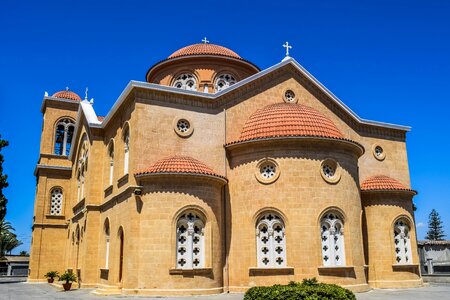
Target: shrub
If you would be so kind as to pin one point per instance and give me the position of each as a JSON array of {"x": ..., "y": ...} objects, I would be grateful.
[
  {"x": 68, "y": 277},
  {"x": 51, "y": 274},
  {"x": 309, "y": 289}
]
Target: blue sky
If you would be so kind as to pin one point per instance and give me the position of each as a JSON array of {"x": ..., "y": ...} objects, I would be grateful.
[{"x": 387, "y": 60}]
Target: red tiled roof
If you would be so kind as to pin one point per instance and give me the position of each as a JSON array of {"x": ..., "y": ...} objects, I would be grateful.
[
  {"x": 179, "y": 164},
  {"x": 285, "y": 119},
  {"x": 204, "y": 49},
  {"x": 382, "y": 182},
  {"x": 67, "y": 95}
]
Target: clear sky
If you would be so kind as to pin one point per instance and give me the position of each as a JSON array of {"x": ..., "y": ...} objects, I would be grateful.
[{"x": 387, "y": 60}]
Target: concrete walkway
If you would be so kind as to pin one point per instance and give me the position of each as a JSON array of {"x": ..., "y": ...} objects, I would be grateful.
[{"x": 26, "y": 291}]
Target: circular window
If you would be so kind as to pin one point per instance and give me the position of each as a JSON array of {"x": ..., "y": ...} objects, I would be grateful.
[
  {"x": 378, "y": 152},
  {"x": 267, "y": 171},
  {"x": 183, "y": 127},
  {"x": 289, "y": 96},
  {"x": 330, "y": 171}
]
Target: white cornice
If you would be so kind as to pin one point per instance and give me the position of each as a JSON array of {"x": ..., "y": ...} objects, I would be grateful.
[{"x": 156, "y": 87}]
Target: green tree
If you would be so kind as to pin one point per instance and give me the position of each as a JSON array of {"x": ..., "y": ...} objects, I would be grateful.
[
  {"x": 24, "y": 253},
  {"x": 8, "y": 240},
  {"x": 3, "y": 182},
  {"x": 435, "y": 231}
]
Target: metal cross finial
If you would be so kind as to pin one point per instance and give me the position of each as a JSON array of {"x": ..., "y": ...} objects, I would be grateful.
[
  {"x": 67, "y": 88},
  {"x": 205, "y": 41},
  {"x": 86, "y": 94},
  {"x": 287, "y": 46}
]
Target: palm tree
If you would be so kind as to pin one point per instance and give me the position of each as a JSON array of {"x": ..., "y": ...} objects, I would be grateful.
[{"x": 8, "y": 240}]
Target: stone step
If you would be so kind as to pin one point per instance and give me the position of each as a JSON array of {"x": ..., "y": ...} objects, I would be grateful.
[{"x": 113, "y": 290}]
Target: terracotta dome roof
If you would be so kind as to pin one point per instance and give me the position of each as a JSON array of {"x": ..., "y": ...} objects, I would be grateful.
[
  {"x": 204, "y": 49},
  {"x": 66, "y": 94},
  {"x": 180, "y": 164},
  {"x": 284, "y": 119},
  {"x": 382, "y": 182}
]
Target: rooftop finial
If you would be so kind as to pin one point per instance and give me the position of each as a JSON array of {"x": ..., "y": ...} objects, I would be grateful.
[
  {"x": 205, "y": 41},
  {"x": 287, "y": 46},
  {"x": 67, "y": 88},
  {"x": 86, "y": 93}
]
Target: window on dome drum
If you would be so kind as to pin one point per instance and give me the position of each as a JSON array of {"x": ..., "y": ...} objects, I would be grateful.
[
  {"x": 126, "y": 140},
  {"x": 224, "y": 81},
  {"x": 332, "y": 236},
  {"x": 111, "y": 162},
  {"x": 402, "y": 242},
  {"x": 63, "y": 136},
  {"x": 107, "y": 231},
  {"x": 56, "y": 202},
  {"x": 190, "y": 241},
  {"x": 270, "y": 241},
  {"x": 185, "y": 81}
]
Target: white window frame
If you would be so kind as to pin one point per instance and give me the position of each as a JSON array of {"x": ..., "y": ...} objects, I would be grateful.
[
  {"x": 54, "y": 201},
  {"x": 126, "y": 158},
  {"x": 111, "y": 162},
  {"x": 270, "y": 239},
  {"x": 402, "y": 242},
  {"x": 67, "y": 123},
  {"x": 190, "y": 244},
  {"x": 226, "y": 81},
  {"x": 332, "y": 237},
  {"x": 182, "y": 82}
]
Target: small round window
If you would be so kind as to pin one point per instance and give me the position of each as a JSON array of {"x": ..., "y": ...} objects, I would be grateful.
[
  {"x": 289, "y": 96},
  {"x": 330, "y": 171},
  {"x": 267, "y": 171},
  {"x": 378, "y": 152},
  {"x": 183, "y": 127}
]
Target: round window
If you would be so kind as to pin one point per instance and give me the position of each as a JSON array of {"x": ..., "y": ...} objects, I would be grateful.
[
  {"x": 330, "y": 171},
  {"x": 183, "y": 127},
  {"x": 267, "y": 171},
  {"x": 289, "y": 96},
  {"x": 378, "y": 152}
]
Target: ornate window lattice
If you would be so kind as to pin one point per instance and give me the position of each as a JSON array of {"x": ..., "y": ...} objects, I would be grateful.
[
  {"x": 289, "y": 96},
  {"x": 56, "y": 202},
  {"x": 271, "y": 241},
  {"x": 185, "y": 81},
  {"x": 332, "y": 236},
  {"x": 328, "y": 170},
  {"x": 183, "y": 125},
  {"x": 224, "y": 81},
  {"x": 402, "y": 242},
  {"x": 190, "y": 241},
  {"x": 63, "y": 136},
  {"x": 268, "y": 170}
]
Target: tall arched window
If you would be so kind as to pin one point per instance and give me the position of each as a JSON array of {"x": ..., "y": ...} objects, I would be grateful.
[
  {"x": 111, "y": 162},
  {"x": 224, "y": 81},
  {"x": 63, "y": 136},
  {"x": 185, "y": 81},
  {"x": 190, "y": 241},
  {"x": 107, "y": 235},
  {"x": 332, "y": 235},
  {"x": 126, "y": 141},
  {"x": 402, "y": 242},
  {"x": 271, "y": 241},
  {"x": 82, "y": 168},
  {"x": 56, "y": 202}
]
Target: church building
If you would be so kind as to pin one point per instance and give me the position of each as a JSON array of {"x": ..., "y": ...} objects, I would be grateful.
[{"x": 215, "y": 176}]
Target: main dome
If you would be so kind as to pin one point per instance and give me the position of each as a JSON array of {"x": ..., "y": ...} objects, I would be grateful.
[
  {"x": 285, "y": 120},
  {"x": 204, "y": 49}
]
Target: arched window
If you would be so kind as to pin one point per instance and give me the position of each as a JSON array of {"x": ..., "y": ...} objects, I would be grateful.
[
  {"x": 402, "y": 242},
  {"x": 56, "y": 202},
  {"x": 270, "y": 241},
  {"x": 111, "y": 162},
  {"x": 126, "y": 141},
  {"x": 190, "y": 241},
  {"x": 107, "y": 234},
  {"x": 332, "y": 235},
  {"x": 63, "y": 136},
  {"x": 185, "y": 81},
  {"x": 82, "y": 168},
  {"x": 224, "y": 81}
]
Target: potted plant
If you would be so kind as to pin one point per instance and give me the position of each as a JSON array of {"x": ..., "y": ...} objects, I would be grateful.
[
  {"x": 51, "y": 276},
  {"x": 68, "y": 277}
]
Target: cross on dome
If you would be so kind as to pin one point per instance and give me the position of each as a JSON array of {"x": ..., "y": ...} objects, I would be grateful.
[
  {"x": 287, "y": 46},
  {"x": 205, "y": 41}
]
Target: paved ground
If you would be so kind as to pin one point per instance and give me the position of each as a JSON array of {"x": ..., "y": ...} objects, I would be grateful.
[{"x": 13, "y": 289}]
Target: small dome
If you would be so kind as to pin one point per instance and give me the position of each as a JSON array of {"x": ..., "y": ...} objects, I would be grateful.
[
  {"x": 180, "y": 164},
  {"x": 382, "y": 182},
  {"x": 204, "y": 49},
  {"x": 67, "y": 94},
  {"x": 285, "y": 119}
]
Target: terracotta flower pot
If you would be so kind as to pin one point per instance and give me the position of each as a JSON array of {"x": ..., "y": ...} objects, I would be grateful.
[
  {"x": 67, "y": 286},
  {"x": 50, "y": 280}
]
